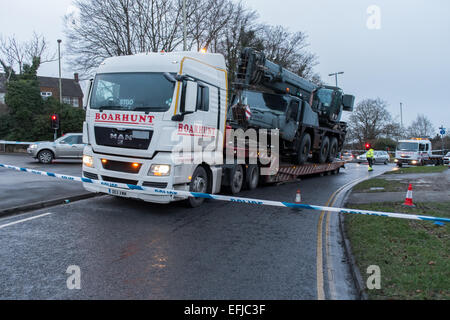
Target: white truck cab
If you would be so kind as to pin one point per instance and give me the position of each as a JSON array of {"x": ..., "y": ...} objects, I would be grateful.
[
  {"x": 141, "y": 108},
  {"x": 416, "y": 151}
]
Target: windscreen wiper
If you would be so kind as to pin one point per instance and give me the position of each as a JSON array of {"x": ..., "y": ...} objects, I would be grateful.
[
  {"x": 148, "y": 109},
  {"x": 102, "y": 108}
]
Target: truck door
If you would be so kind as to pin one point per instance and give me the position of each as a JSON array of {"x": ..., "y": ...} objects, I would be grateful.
[
  {"x": 209, "y": 114},
  {"x": 290, "y": 129}
]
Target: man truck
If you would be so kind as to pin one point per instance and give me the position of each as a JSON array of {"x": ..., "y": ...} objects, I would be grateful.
[
  {"x": 140, "y": 107},
  {"x": 416, "y": 152}
]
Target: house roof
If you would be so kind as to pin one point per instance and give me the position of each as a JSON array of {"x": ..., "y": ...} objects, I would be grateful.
[{"x": 70, "y": 87}]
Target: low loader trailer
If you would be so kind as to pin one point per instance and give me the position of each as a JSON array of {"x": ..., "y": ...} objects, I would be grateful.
[{"x": 160, "y": 120}]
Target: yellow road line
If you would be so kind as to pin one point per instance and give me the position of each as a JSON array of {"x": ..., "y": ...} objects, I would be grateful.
[{"x": 319, "y": 252}]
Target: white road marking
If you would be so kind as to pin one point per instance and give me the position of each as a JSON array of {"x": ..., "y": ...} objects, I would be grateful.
[{"x": 24, "y": 220}]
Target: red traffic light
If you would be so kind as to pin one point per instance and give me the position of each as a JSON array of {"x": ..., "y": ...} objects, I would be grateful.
[
  {"x": 367, "y": 146},
  {"x": 55, "y": 121}
]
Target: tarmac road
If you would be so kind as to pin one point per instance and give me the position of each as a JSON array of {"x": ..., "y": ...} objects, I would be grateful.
[
  {"x": 18, "y": 189},
  {"x": 134, "y": 250}
]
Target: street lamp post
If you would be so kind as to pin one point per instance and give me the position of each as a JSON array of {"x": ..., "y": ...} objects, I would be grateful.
[
  {"x": 184, "y": 27},
  {"x": 59, "y": 59},
  {"x": 401, "y": 115},
  {"x": 60, "y": 82},
  {"x": 336, "y": 76}
]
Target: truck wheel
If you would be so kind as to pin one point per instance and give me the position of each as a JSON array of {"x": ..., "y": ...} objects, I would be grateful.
[
  {"x": 304, "y": 149},
  {"x": 252, "y": 177},
  {"x": 322, "y": 156},
  {"x": 236, "y": 179},
  {"x": 333, "y": 149},
  {"x": 45, "y": 156},
  {"x": 199, "y": 183}
]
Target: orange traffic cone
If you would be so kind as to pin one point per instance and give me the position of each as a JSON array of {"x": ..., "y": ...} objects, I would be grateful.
[
  {"x": 298, "y": 197},
  {"x": 409, "y": 200}
]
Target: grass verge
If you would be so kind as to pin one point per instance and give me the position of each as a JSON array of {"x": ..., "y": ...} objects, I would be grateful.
[
  {"x": 413, "y": 256},
  {"x": 388, "y": 186},
  {"x": 424, "y": 169}
]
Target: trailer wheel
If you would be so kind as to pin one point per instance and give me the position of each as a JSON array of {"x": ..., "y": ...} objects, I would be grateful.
[
  {"x": 333, "y": 149},
  {"x": 199, "y": 184},
  {"x": 322, "y": 155},
  {"x": 304, "y": 149},
  {"x": 252, "y": 177},
  {"x": 236, "y": 179}
]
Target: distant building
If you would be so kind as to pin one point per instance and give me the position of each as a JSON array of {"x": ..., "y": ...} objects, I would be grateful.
[
  {"x": 71, "y": 90},
  {"x": 49, "y": 87}
]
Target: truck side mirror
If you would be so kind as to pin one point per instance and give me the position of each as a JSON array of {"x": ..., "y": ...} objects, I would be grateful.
[
  {"x": 348, "y": 101},
  {"x": 91, "y": 81},
  {"x": 190, "y": 103}
]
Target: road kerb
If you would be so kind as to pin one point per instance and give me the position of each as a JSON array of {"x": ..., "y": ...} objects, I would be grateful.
[{"x": 44, "y": 204}]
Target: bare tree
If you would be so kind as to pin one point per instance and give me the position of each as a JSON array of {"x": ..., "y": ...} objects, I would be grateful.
[
  {"x": 16, "y": 53},
  {"x": 422, "y": 127},
  {"x": 369, "y": 120},
  {"x": 12, "y": 51},
  {"x": 288, "y": 49},
  {"x": 106, "y": 28}
]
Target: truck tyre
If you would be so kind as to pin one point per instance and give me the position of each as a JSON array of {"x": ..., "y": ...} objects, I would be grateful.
[
  {"x": 236, "y": 179},
  {"x": 333, "y": 149},
  {"x": 322, "y": 155},
  {"x": 199, "y": 183},
  {"x": 252, "y": 177},
  {"x": 304, "y": 149},
  {"x": 45, "y": 156}
]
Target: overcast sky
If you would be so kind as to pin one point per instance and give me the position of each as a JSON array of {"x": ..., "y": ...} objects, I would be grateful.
[{"x": 406, "y": 60}]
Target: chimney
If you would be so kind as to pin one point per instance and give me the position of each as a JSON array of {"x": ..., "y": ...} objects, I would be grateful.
[{"x": 75, "y": 76}]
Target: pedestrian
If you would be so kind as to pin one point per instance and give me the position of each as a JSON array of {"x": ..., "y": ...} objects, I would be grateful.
[{"x": 369, "y": 156}]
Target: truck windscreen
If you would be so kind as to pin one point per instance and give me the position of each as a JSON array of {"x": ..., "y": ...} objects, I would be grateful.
[
  {"x": 151, "y": 92},
  {"x": 408, "y": 146},
  {"x": 265, "y": 101}
]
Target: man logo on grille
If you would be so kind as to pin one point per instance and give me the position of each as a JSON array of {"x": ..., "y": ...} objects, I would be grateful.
[{"x": 121, "y": 138}]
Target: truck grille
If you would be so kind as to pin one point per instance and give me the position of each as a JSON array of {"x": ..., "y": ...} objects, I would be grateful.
[
  {"x": 121, "y": 166},
  {"x": 159, "y": 185},
  {"x": 118, "y": 180},
  {"x": 127, "y": 138},
  {"x": 89, "y": 175}
]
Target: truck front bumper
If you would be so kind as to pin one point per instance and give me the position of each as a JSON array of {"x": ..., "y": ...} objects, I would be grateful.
[
  {"x": 178, "y": 179},
  {"x": 131, "y": 194},
  {"x": 407, "y": 161}
]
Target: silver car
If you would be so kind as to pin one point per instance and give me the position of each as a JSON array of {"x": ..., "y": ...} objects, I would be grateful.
[
  {"x": 378, "y": 157},
  {"x": 68, "y": 146}
]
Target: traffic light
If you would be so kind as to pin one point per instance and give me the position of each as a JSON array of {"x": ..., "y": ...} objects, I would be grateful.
[
  {"x": 367, "y": 146},
  {"x": 55, "y": 121}
]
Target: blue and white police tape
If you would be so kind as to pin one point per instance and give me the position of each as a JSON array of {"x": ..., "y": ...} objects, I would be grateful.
[
  {"x": 16, "y": 142},
  {"x": 180, "y": 193}
]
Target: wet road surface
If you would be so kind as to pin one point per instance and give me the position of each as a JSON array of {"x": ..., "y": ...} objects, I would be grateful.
[{"x": 127, "y": 249}]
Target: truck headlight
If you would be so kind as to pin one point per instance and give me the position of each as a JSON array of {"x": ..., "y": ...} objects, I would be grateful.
[
  {"x": 160, "y": 170},
  {"x": 395, "y": 160},
  {"x": 88, "y": 161}
]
